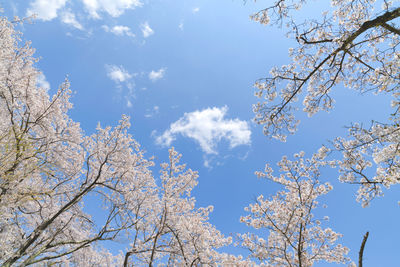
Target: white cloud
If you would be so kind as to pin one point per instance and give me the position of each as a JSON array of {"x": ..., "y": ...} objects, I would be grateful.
[
  {"x": 117, "y": 73},
  {"x": 68, "y": 17},
  {"x": 208, "y": 127},
  {"x": 180, "y": 26},
  {"x": 48, "y": 9},
  {"x": 196, "y": 9},
  {"x": 42, "y": 82},
  {"x": 119, "y": 30},
  {"x": 45, "y": 9},
  {"x": 151, "y": 113},
  {"x": 146, "y": 30},
  {"x": 128, "y": 103},
  {"x": 156, "y": 75},
  {"x": 124, "y": 81},
  {"x": 114, "y": 8}
]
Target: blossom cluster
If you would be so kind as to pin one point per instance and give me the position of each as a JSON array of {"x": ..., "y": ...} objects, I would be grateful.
[{"x": 295, "y": 237}]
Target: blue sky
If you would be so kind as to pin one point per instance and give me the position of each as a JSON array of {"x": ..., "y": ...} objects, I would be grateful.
[{"x": 183, "y": 71}]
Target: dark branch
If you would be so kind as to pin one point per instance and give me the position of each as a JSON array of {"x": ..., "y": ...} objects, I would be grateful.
[
  {"x": 391, "y": 28},
  {"x": 360, "y": 254}
]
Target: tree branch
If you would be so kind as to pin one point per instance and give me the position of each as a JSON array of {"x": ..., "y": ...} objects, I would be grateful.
[{"x": 360, "y": 254}]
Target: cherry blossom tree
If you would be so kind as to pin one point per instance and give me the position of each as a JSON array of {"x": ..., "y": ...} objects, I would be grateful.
[
  {"x": 295, "y": 237},
  {"x": 48, "y": 167},
  {"x": 50, "y": 170},
  {"x": 353, "y": 43},
  {"x": 176, "y": 232}
]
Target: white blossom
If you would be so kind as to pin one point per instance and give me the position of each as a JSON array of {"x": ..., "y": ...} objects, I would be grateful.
[{"x": 295, "y": 237}]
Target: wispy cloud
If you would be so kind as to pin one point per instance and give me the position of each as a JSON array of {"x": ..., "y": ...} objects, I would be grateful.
[
  {"x": 42, "y": 82},
  {"x": 45, "y": 9},
  {"x": 208, "y": 127},
  {"x": 113, "y": 8},
  {"x": 117, "y": 73},
  {"x": 150, "y": 113},
  {"x": 128, "y": 97},
  {"x": 122, "y": 78},
  {"x": 146, "y": 30},
  {"x": 69, "y": 18},
  {"x": 119, "y": 30},
  {"x": 195, "y": 9},
  {"x": 156, "y": 75},
  {"x": 180, "y": 26}
]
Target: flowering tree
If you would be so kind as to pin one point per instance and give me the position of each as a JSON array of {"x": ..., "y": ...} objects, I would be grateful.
[
  {"x": 49, "y": 169},
  {"x": 176, "y": 232},
  {"x": 353, "y": 43},
  {"x": 295, "y": 237}
]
